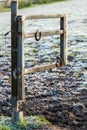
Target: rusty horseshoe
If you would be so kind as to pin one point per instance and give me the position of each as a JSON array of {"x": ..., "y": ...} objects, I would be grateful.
[{"x": 37, "y": 35}]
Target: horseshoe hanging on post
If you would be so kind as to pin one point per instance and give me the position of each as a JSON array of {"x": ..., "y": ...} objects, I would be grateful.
[{"x": 37, "y": 35}]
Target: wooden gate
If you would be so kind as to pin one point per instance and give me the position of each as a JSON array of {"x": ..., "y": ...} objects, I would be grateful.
[{"x": 17, "y": 53}]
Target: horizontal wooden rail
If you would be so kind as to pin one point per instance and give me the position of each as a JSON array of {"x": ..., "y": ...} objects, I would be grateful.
[
  {"x": 44, "y": 16},
  {"x": 48, "y": 33},
  {"x": 41, "y": 68}
]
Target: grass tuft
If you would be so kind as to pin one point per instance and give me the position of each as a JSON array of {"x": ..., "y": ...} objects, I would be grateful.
[
  {"x": 30, "y": 122},
  {"x": 3, "y": 127}
]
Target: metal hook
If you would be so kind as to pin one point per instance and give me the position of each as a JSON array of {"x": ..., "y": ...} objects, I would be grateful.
[
  {"x": 37, "y": 35},
  {"x": 59, "y": 61},
  {"x": 7, "y": 33}
]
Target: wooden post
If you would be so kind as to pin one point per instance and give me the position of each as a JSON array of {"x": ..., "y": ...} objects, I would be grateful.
[
  {"x": 63, "y": 39},
  {"x": 20, "y": 59},
  {"x": 14, "y": 62},
  {"x": 14, "y": 11}
]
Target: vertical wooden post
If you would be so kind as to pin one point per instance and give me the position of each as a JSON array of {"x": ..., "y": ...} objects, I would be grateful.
[
  {"x": 63, "y": 39},
  {"x": 14, "y": 50},
  {"x": 20, "y": 72},
  {"x": 15, "y": 64}
]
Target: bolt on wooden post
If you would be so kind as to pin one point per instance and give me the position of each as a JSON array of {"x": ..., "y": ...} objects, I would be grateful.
[
  {"x": 16, "y": 64},
  {"x": 63, "y": 39}
]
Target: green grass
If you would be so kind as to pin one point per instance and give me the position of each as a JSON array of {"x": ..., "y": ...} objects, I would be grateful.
[
  {"x": 3, "y": 9},
  {"x": 30, "y": 122},
  {"x": 27, "y": 3},
  {"x": 3, "y": 127},
  {"x": 47, "y": 1},
  {"x": 34, "y": 50}
]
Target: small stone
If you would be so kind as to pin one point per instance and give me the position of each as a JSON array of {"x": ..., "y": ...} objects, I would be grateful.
[
  {"x": 78, "y": 109},
  {"x": 82, "y": 89}
]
